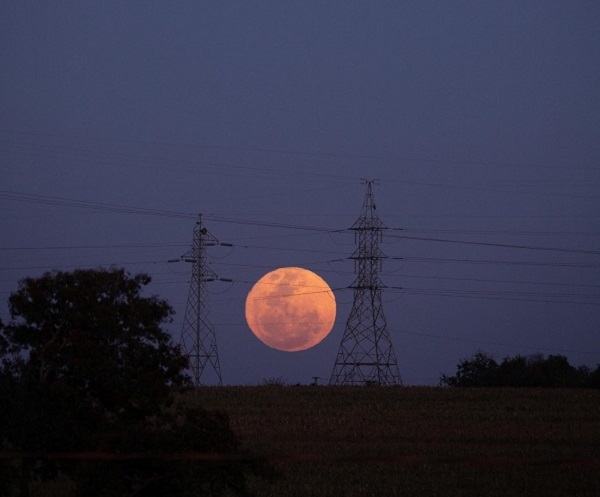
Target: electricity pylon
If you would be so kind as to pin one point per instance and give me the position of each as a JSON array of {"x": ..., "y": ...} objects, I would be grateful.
[
  {"x": 198, "y": 339},
  {"x": 366, "y": 354}
]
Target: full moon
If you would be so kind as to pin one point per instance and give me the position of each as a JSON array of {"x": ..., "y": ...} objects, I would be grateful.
[{"x": 290, "y": 309}]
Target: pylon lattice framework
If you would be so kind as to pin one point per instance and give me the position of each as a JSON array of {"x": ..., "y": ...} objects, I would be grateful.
[
  {"x": 366, "y": 354},
  {"x": 198, "y": 339}
]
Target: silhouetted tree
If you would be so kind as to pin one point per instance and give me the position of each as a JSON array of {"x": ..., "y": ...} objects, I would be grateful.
[
  {"x": 593, "y": 378},
  {"x": 516, "y": 372},
  {"x": 555, "y": 371},
  {"x": 478, "y": 371},
  {"x": 520, "y": 371},
  {"x": 88, "y": 369},
  {"x": 7, "y": 473}
]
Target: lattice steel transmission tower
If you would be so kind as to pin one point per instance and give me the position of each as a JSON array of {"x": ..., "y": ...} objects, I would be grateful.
[
  {"x": 366, "y": 354},
  {"x": 198, "y": 339}
]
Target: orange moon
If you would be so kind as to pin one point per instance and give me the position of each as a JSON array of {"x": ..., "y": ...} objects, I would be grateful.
[{"x": 290, "y": 309}]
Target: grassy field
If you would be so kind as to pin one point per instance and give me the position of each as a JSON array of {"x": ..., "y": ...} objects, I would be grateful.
[{"x": 373, "y": 441}]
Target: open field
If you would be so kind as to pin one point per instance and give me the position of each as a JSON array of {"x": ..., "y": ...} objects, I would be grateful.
[{"x": 418, "y": 441}]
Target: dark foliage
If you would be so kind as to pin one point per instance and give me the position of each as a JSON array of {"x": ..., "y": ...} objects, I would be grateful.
[
  {"x": 478, "y": 371},
  {"x": 481, "y": 370},
  {"x": 87, "y": 385}
]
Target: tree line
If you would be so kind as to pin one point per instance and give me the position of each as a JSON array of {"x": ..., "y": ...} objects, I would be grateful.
[
  {"x": 538, "y": 370},
  {"x": 90, "y": 394}
]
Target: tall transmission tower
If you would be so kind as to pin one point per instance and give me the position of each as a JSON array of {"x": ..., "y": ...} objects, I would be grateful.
[
  {"x": 198, "y": 339},
  {"x": 366, "y": 354}
]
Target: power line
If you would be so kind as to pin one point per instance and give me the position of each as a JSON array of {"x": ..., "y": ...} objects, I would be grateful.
[
  {"x": 503, "y": 232},
  {"x": 497, "y": 262},
  {"x": 502, "y": 216},
  {"x": 66, "y": 202},
  {"x": 92, "y": 247},
  {"x": 248, "y": 222},
  {"x": 483, "y": 280},
  {"x": 310, "y": 153},
  {"x": 262, "y": 247},
  {"x": 125, "y": 209},
  {"x": 493, "y": 190},
  {"x": 497, "y": 344},
  {"x": 498, "y": 295},
  {"x": 101, "y": 155},
  {"x": 52, "y": 267},
  {"x": 501, "y": 245},
  {"x": 86, "y": 204}
]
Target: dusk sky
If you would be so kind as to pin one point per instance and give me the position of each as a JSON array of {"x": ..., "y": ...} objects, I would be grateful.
[{"x": 121, "y": 121}]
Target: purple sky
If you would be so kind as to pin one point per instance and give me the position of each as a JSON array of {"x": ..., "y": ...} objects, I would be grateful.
[{"x": 481, "y": 121}]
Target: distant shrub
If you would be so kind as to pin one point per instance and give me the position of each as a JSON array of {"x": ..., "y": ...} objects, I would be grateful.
[
  {"x": 481, "y": 370},
  {"x": 274, "y": 382}
]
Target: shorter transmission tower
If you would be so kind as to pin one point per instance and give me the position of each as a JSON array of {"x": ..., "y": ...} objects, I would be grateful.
[
  {"x": 198, "y": 339},
  {"x": 366, "y": 355}
]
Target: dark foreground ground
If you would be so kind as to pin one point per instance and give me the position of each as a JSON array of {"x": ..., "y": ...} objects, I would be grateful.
[{"x": 373, "y": 441}]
